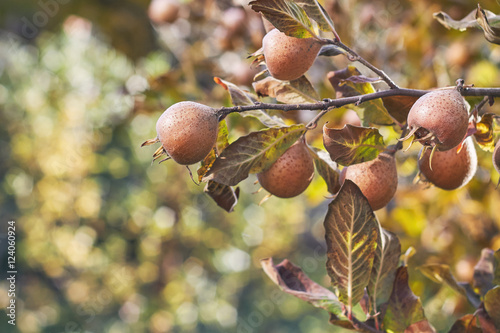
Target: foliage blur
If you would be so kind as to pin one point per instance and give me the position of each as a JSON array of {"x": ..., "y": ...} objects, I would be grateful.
[{"x": 108, "y": 242}]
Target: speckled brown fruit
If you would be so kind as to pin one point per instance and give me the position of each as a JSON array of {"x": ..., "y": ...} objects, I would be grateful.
[
  {"x": 291, "y": 174},
  {"x": 496, "y": 157},
  {"x": 288, "y": 58},
  {"x": 187, "y": 131},
  {"x": 439, "y": 119},
  {"x": 377, "y": 179},
  {"x": 450, "y": 170}
]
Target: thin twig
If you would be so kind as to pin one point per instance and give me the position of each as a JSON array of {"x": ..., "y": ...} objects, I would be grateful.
[{"x": 356, "y": 57}]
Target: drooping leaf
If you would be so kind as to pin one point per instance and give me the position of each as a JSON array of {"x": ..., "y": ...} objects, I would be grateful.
[
  {"x": 485, "y": 321},
  {"x": 351, "y": 232},
  {"x": 492, "y": 34},
  {"x": 240, "y": 97},
  {"x": 252, "y": 154},
  {"x": 299, "y": 91},
  {"x": 484, "y": 132},
  {"x": 292, "y": 280},
  {"x": 399, "y": 106},
  {"x": 352, "y": 144},
  {"x": 374, "y": 111},
  {"x": 404, "y": 308},
  {"x": 326, "y": 168},
  {"x": 330, "y": 50},
  {"x": 492, "y": 305},
  {"x": 468, "y": 21},
  {"x": 466, "y": 324},
  {"x": 473, "y": 298},
  {"x": 483, "y": 272},
  {"x": 441, "y": 274},
  {"x": 221, "y": 143},
  {"x": 384, "y": 268},
  {"x": 336, "y": 79},
  {"x": 287, "y": 16},
  {"x": 225, "y": 196},
  {"x": 315, "y": 11}
]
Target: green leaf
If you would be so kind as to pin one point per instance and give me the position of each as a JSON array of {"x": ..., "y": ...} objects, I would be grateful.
[
  {"x": 351, "y": 232},
  {"x": 252, "y": 154},
  {"x": 299, "y": 91},
  {"x": 384, "y": 268},
  {"x": 287, "y": 16},
  {"x": 442, "y": 274},
  {"x": 240, "y": 97},
  {"x": 292, "y": 280},
  {"x": 484, "y": 132},
  {"x": 225, "y": 196},
  {"x": 315, "y": 11},
  {"x": 483, "y": 272},
  {"x": 352, "y": 144},
  {"x": 468, "y": 21},
  {"x": 466, "y": 324},
  {"x": 404, "y": 308},
  {"x": 326, "y": 168},
  {"x": 374, "y": 111},
  {"x": 492, "y": 305}
]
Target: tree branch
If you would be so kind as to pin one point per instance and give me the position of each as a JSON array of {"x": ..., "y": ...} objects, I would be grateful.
[{"x": 339, "y": 102}]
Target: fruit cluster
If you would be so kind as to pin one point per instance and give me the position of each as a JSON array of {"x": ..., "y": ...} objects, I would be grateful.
[{"x": 439, "y": 120}]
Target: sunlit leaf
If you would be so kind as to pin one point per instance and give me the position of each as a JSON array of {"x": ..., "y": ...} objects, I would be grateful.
[
  {"x": 315, "y": 11},
  {"x": 483, "y": 272},
  {"x": 240, "y": 97},
  {"x": 225, "y": 196},
  {"x": 468, "y": 21},
  {"x": 496, "y": 267},
  {"x": 292, "y": 280},
  {"x": 221, "y": 143},
  {"x": 384, "y": 268},
  {"x": 484, "y": 132},
  {"x": 404, "y": 308},
  {"x": 252, "y": 154},
  {"x": 299, "y": 91},
  {"x": 492, "y": 34},
  {"x": 352, "y": 144},
  {"x": 374, "y": 110},
  {"x": 441, "y": 274},
  {"x": 351, "y": 232},
  {"x": 326, "y": 168},
  {"x": 466, "y": 324},
  {"x": 399, "y": 106},
  {"x": 492, "y": 305},
  {"x": 287, "y": 16}
]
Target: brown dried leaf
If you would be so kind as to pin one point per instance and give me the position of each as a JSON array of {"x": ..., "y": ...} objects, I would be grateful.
[
  {"x": 399, "y": 106},
  {"x": 292, "y": 280},
  {"x": 225, "y": 196}
]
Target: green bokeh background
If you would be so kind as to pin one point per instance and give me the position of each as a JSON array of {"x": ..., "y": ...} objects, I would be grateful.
[{"x": 108, "y": 242}]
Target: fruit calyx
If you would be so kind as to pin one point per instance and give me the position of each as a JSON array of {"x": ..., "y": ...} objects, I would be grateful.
[{"x": 439, "y": 119}]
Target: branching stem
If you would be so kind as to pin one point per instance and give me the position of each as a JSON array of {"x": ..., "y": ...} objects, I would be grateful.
[{"x": 328, "y": 104}]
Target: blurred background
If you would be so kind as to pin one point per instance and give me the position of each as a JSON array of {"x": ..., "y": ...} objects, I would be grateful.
[{"x": 109, "y": 242}]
